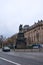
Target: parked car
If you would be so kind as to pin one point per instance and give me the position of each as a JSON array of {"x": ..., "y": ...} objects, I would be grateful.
[
  {"x": 36, "y": 46},
  {"x": 6, "y": 49},
  {"x": 41, "y": 45}
]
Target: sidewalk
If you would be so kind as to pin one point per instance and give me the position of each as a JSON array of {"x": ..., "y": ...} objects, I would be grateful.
[{"x": 29, "y": 50}]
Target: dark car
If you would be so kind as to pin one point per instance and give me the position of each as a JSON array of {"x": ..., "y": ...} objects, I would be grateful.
[
  {"x": 36, "y": 46},
  {"x": 6, "y": 49}
]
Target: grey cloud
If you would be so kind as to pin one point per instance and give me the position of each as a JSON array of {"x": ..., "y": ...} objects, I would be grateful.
[{"x": 16, "y": 12}]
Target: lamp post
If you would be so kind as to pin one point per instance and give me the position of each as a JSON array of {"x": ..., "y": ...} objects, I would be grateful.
[{"x": 2, "y": 43}]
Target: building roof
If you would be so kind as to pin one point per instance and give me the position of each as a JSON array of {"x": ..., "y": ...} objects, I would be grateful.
[{"x": 39, "y": 23}]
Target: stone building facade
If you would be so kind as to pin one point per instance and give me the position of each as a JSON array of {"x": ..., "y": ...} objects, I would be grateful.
[{"x": 34, "y": 35}]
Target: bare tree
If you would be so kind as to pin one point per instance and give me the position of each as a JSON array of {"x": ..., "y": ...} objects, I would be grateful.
[{"x": 1, "y": 40}]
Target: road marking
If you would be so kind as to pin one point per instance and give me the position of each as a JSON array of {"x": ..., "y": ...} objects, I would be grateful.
[{"x": 10, "y": 61}]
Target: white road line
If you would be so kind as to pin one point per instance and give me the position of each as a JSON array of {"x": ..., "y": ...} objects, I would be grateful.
[{"x": 10, "y": 61}]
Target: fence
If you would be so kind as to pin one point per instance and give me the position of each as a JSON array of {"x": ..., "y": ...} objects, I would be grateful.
[{"x": 29, "y": 50}]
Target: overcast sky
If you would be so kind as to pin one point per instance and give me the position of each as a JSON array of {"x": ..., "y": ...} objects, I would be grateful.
[{"x": 16, "y": 12}]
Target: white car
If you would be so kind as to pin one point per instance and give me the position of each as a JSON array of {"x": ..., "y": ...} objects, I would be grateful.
[{"x": 6, "y": 49}]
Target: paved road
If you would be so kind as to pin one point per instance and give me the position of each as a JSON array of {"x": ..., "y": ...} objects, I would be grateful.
[{"x": 21, "y": 58}]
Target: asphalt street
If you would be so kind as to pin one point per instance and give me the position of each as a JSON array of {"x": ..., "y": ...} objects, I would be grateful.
[{"x": 21, "y": 58}]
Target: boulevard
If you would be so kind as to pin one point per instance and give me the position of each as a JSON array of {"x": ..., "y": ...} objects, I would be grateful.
[{"x": 21, "y": 58}]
